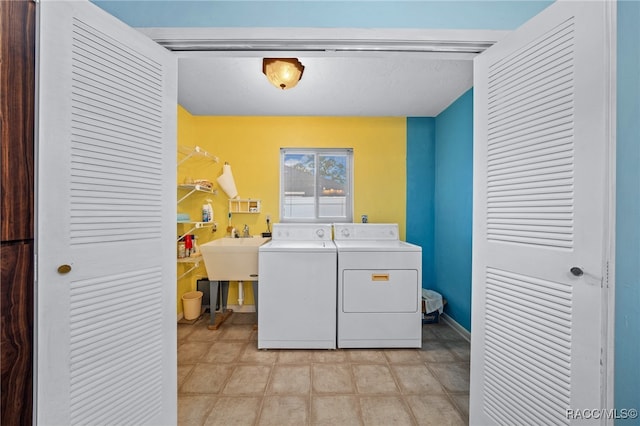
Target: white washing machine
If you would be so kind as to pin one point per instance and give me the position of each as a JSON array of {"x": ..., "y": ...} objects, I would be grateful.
[
  {"x": 297, "y": 288},
  {"x": 379, "y": 287}
]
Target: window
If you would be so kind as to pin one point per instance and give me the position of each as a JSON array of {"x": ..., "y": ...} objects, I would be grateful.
[{"x": 315, "y": 185}]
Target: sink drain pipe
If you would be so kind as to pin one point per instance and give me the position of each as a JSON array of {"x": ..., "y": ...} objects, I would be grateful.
[{"x": 240, "y": 293}]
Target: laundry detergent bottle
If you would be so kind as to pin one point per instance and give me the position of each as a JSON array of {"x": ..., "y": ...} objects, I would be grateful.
[{"x": 207, "y": 212}]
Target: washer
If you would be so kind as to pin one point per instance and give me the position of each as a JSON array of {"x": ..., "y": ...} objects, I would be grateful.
[
  {"x": 297, "y": 288},
  {"x": 379, "y": 287}
]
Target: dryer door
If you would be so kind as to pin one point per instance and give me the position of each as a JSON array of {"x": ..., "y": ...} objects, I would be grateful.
[{"x": 378, "y": 290}]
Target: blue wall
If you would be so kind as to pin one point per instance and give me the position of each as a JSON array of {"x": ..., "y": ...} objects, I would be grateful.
[
  {"x": 439, "y": 202},
  {"x": 627, "y": 334},
  {"x": 421, "y": 145},
  {"x": 497, "y": 15},
  {"x": 453, "y": 207}
]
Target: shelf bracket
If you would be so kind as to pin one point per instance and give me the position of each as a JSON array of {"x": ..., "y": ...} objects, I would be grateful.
[
  {"x": 196, "y": 151},
  {"x": 198, "y": 225},
  {"x": 186, "y": 196},
  {"x": 195, "y": 188},
  {"x": 188, "y": 271}
]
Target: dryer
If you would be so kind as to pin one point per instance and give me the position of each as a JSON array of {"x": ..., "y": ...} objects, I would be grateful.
[
  {"x": 379, "y": 287},
  {"x": 297, "y": 288}
]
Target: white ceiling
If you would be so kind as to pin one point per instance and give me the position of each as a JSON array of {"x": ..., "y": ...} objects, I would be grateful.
[
  {"x": 405, "y": 85},
  {"x": 348, "y": 72}
]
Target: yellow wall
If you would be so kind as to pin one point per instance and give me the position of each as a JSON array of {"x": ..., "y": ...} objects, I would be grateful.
[
  {"x": 186, "y": 134},
  {"x": 251, "y": 145}
]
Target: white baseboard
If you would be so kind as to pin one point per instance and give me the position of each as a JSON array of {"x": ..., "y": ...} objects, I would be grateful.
[{"x": 457, "y": 327}]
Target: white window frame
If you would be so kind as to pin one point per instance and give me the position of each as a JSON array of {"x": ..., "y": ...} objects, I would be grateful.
[{"x": 317, "y": 152}]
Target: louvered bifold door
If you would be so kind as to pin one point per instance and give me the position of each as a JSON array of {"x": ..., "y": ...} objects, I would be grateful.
[
  {"x": 540, "y": 161},
  {"x": 106, "y": 131}
]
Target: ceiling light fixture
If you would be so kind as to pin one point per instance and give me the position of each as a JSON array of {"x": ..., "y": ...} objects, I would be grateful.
[{"x": 283, "y": 73}]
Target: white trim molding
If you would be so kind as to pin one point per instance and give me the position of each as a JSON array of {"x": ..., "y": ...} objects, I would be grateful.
[
  {"x": 323, "y": 39},
  {"x": 457, "y": 327},
  {"x": 608, "y": 340}
]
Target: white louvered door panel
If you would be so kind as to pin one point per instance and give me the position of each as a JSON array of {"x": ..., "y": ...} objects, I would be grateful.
[
  {"x": 106, "y": 336},
  {"x": 540, "y": 194}
]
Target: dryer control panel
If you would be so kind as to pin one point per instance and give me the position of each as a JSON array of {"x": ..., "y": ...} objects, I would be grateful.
[{"x": 366, "y": 231}]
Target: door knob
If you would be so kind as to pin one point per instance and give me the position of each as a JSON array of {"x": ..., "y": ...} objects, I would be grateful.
[
  {"x": 64, "y": 269},
  {"x": 576, "y": 271}
]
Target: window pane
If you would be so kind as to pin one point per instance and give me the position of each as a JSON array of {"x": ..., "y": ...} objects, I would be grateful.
[
  {"x": 332, "y": 180},
  {"x": 299, "y": 185},
  {"x": 315, "y": 184}
]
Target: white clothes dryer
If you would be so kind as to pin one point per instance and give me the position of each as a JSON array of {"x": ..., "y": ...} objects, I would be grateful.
[
  {"x": 379, "y": 287},
  {"x": 297, "y": 288}
]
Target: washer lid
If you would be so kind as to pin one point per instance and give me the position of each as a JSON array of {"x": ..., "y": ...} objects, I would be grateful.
[{"x": 298, "y": 246}]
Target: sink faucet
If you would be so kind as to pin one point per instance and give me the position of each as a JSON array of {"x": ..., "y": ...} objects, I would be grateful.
[{"x": 245, "y": 231}]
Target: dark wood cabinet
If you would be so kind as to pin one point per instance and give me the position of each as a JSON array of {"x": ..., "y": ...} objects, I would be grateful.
[
  {"x": 16, "y": 304},
  {"x": 17, "y": 92},
  {"x": 17, "y": 119}
]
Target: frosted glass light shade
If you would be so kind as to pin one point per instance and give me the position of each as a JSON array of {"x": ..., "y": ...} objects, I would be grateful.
[{"x": 283, "y": 73}]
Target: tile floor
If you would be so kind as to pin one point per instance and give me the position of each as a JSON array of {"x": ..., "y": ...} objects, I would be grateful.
[{"x": 223, "y": 379}]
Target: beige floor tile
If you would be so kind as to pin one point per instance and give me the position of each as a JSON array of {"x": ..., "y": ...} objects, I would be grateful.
[
  {"x": 434, "y": 410},
  {"x": 206, "y": 378},
  {"x": 294, "y": 356},
  {"x": 284, "y": 410},
  {"x": 191, "y": 352},
  {"x": 374, "y": 378},
  {"x": 224, "y": 352},
  {"x": 254, "y": 355},
  {"x": 462, "y": 402},
  {"x": 403, "y": 356},
  {"x": 223, "y": 379},
  {"x": 290, "y": 379},
  {"x": 384, "y": 411},
  {"x": 235, "y": 332},
  {"x": 453, "y": 376},
  {"x": 366, "y": 355},
  {"x": 193, "y": 410},
  {"x": 329, "y": 356},
  {"x": 234, "y": 411},
  {"x": 332, "y": 378},
  {"x": 427, "y": 333},
  {"x": 183, "y": 372},
  {"x": 183, "y": 330},
  {"x": 336, "y": 410},
  {"x": 248, "y": 380},
  {"x": 203, "y": 334},
  {"x": 244, "y": 318},
  {"x": 460, "y": 348},
  {"x": 444, "y": 332},
  {"x": 416, "y": 379},
  {"x": 436, "y": 351}
]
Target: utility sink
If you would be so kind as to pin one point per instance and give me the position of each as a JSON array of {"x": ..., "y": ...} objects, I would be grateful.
[{"x": 232, "y": 259}]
